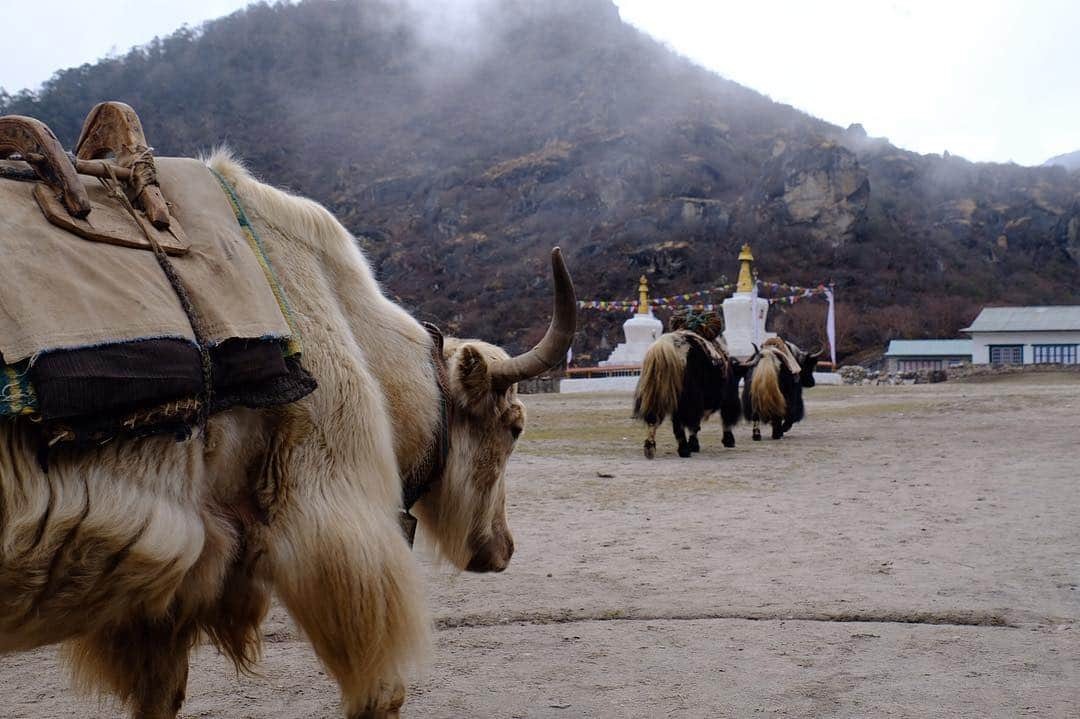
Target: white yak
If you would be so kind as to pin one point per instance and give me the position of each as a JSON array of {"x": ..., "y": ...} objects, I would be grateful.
[{"x": 131, "y": 553}]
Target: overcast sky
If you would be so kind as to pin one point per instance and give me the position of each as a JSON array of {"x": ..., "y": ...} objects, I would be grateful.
[{"x": 990, "y": 80}]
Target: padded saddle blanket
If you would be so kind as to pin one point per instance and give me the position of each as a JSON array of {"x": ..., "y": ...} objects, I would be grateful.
[
  {"x": 783, "y": 352},
  {"x": 94, "y": 334}
]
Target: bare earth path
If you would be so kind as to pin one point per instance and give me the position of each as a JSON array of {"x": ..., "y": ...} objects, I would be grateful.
[{"x": 904, "y": 552}]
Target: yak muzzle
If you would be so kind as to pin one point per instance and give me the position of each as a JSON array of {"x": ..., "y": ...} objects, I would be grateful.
[{"x": 493, "y": 556}]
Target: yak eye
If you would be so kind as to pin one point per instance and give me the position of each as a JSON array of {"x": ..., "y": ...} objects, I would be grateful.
[{"x": 515, "y": 431}]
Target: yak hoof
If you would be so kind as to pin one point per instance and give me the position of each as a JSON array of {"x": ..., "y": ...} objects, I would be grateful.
[
  {"x": 391, "y": 713},
  {"x": 757, "y": 436},
  {"x": 694, "y": 446},
  {"x": 684, "y": 449},
  {"x": 387, "y": 707},
  {"x": 728, "y": 440},
  {"x": 379, "y": 714},
  {"x": 650, "y": 449},
  {"x": 777, "y": 434}
]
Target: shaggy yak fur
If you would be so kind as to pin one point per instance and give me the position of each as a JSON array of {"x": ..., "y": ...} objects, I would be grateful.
[
  {"x": 130, "y": 553},
  {"x": 773, "y": 389},
  {"x": 687, "y": 377}
]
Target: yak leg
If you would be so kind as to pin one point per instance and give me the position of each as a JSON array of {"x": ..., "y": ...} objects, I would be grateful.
[
  {"x": 777, "y": 429},
  {"x": 650, "y": 442},
  {"x": 343, "y": 569},
  {"x": 680, "y": 437},
  {"x": 144, "y": 663},
  {"x": 730, "y": 411},
  {"x": 695, "y": 446},
  {"x": 757, "y": 430},
  {"x": 692, "y": 441}
]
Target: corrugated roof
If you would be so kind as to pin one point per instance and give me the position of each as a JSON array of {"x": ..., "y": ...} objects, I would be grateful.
[
  {"x": 929, "y": 348},
  {"x": 1026, "y": 319}
]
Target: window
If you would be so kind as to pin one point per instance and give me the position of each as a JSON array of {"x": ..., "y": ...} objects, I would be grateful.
[
  {"x": 1054, "y": 354},
  {"x": 1006, "y": 354},
  {"x": 911, "y": 365}
]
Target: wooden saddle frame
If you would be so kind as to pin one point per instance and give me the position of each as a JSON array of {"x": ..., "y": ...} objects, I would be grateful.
[{"x": 111, "y": 147}]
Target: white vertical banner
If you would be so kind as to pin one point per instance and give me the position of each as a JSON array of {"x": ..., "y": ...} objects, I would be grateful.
[
  {"x": 754, "y": 314},
  {"x": 830, "y": 326}
]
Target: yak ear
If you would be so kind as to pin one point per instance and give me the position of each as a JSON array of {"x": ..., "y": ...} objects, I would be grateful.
[{"x": 472, "y": 375}]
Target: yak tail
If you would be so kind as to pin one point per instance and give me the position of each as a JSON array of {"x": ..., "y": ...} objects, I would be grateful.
[
  {"x": 765, "y": 395},
  {"x": 661, "y": 381}
]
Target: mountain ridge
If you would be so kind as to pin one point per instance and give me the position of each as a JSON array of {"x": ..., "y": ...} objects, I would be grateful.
[
  {"x": 1069, "y": 160},
  {"x": 458, "y": 163}
]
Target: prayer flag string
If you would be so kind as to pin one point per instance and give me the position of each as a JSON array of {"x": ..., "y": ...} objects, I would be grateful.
[{"x": 686, "y": 299}]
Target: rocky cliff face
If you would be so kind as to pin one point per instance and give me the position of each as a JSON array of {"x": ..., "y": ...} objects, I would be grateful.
[
  {"x": 820, "y": 187},
  {"x": 460, "y": 160},
  {"x": 1067, "y": 231}
]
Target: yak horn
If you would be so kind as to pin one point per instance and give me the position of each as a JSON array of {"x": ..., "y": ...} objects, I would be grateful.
[
  {"x": 552, "y": 348},
  {"x": 753, "y": 359}
]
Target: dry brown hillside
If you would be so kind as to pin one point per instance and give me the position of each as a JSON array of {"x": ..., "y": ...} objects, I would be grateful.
[{"x": 459, "y": 151}]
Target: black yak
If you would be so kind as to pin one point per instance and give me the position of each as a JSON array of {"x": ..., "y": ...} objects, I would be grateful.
[
  {"x": 689, "y": 378},
  {"x": 772, "y": 393}
]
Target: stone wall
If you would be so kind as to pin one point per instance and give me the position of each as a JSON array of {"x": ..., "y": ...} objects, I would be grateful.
[
  {"x": 539, "y": 385},
  {"x": 855, "y": 374}
]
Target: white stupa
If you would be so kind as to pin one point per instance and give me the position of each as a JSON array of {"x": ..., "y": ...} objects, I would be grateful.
[
  {"x": 744, "y": 312},
  {"x": 744, "y": 321},
  {"x": 640, "y": 331}
]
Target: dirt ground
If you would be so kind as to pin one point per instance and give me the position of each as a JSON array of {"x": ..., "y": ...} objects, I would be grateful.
[{"x": 904, "y": 552}]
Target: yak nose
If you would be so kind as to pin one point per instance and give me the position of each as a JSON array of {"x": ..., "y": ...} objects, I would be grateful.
[{"x": 494, "y": 556}]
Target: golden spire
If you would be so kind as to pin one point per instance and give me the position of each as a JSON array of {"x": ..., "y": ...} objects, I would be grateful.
[
  {"x": 643, "y": 295},
  {"x": 746, "y": 277}
]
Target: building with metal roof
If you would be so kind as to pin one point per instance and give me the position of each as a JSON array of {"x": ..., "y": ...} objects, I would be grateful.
[
  {"x": 908, "y": 355},
  {"x": 1026, "y": 335}
]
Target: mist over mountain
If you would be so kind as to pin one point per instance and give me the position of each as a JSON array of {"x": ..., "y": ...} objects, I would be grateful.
[
  {"x": 460, "y": 141},
  {"x": 1070, "y": 161}
]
